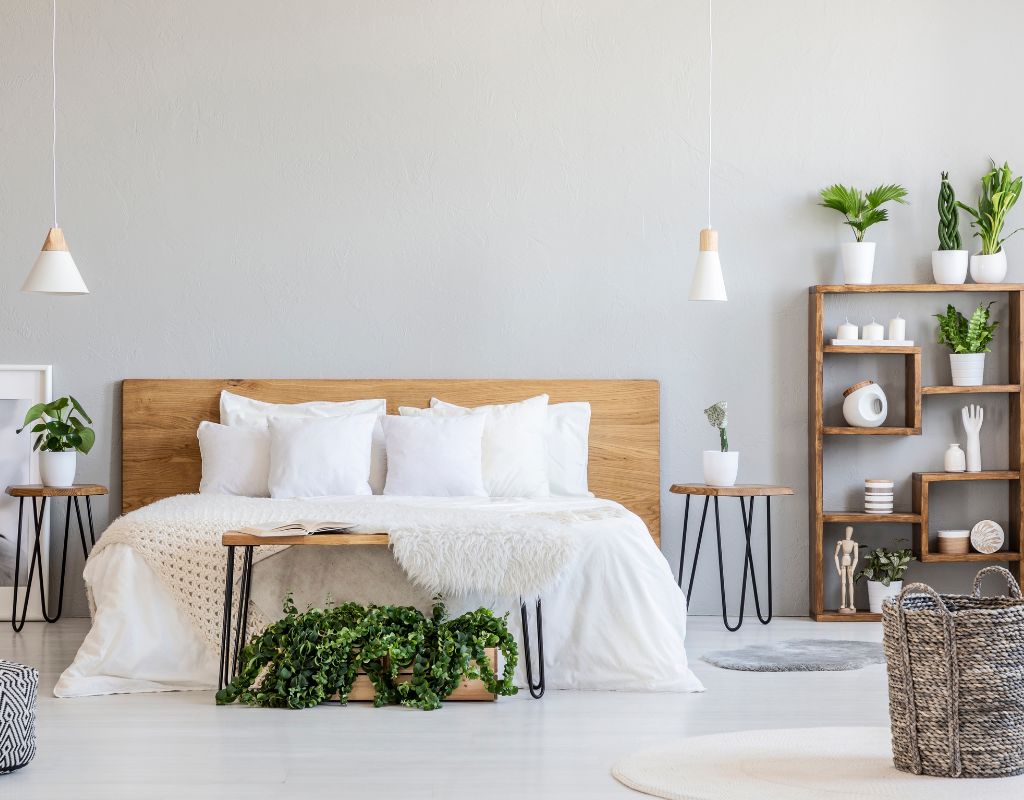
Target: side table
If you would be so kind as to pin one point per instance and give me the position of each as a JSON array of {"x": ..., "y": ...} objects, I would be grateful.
[
  {"x": 743, "y": 492},
  {"x": 40, "y": 494}
]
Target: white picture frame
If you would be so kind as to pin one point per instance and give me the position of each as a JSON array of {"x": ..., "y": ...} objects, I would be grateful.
[{"x": 21, "y": 386}]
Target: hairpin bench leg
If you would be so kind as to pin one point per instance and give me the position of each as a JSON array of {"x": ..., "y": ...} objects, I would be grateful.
[
  {"x": 536, "y": 689},
  {"x": 225, "y": 631},
  {"x": 242, "y": 624}
]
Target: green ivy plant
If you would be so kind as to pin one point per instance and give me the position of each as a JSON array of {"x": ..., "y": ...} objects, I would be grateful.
[
  {"x": 718, "y": 417},
  {"x": 962, "y": 335},
  {"x": 1000, "y": 191},
  {"x": 306, "y": 657},
  {"x": 886, "y": 566},
  {"x": 862, "y": 210},
  {"x": 59, "y": 428},
  {"x": 949, "y": 217}
]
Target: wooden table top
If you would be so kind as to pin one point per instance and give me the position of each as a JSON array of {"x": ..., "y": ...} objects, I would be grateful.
[
  {"x": 739, "y": 490},
  {"x": 239, "y": 539},
  {"x": 38, "y": 490}
]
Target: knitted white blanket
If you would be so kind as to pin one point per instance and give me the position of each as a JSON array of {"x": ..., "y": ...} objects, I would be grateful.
[{"x": 452, "y": 550}]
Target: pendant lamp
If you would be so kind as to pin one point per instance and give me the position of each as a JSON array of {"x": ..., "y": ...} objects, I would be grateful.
[
  {"x": 54, "y": 271},
  {"x": 708, "y": 283}
]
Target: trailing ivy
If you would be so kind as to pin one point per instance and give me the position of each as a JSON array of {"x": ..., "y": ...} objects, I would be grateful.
[{"x": 306, "y": 657}]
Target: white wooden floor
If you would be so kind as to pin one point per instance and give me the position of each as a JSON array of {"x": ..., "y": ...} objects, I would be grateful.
[{"x": 180, "y": 745}]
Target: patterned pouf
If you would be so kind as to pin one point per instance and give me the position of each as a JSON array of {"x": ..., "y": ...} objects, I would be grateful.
[{"x": 18, "y": 686}]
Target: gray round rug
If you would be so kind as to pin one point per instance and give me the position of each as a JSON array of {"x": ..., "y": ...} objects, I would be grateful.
[
  {"x": 799, "y": 655},
  {"x": 797, "y": 764}
]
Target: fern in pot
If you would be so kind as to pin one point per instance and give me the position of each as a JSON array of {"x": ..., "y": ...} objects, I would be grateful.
[
  {"x": 722, "y": 465},
  {"x": 949, "y": 262},
  {"x": 1000, "y": 191},
  {"x": 60, "y": 436},
  {"x": 884, "y": 570},
  {"x": 969, "y": 340},
  {"x": 862, "y": 210}
]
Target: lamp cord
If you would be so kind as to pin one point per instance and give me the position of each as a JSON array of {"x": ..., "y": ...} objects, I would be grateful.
[
  {"x": 711, "y": 66},
  {"x": 53, "y": 65}
]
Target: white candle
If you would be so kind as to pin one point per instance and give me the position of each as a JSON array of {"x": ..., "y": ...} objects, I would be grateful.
[
  {"x": 898, "y": 329},
  {"x": 848, "y": 330},
  {"x": 874, "y": 332}
]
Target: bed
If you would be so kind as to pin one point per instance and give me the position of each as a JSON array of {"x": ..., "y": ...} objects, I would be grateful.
[{"x": 614, "y": 618}]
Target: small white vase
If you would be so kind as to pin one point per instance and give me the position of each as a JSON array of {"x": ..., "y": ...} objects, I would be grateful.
[
  {"x": 57, "y": 470},
  {"x": 865, "y": 405},
  {"x": 720, "y": 468},
  {"x": 879, "y": 593},
  {"x": 858, "y": 262},
  {"x": 989, "y": 269},
  {"x": 949, "y": 266},
  {"x": 968, "y": 368},
  {"x": 955, "y": 460}
]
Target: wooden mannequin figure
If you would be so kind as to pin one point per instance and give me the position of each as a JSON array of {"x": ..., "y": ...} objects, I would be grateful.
[{"x": 845, "y": 569}]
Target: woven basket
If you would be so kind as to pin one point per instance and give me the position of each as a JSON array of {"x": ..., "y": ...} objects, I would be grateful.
[{"x": 956, "y": 680}]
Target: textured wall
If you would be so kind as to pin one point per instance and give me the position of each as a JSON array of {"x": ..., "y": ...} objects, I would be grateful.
[{"x": 459, "y": 189}]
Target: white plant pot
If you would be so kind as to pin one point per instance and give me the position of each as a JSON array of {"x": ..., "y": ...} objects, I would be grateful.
[
  {"x": 878, "y": 593},
  {"x": 720, "y": 468},
  {"x": 989, "y": 269},
  {"x": 58, "y": 469},
  {"x": 968, "y": 368},
  {"x": 949, "y": 266},
  {"x": 858, "y": 262}
]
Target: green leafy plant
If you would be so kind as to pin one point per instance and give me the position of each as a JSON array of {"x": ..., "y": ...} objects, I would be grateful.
[
  {"x": 306, "y": 657},
  {"x": 1000, "y": 191},
  {"x": 885, "y": 566},
  {"x": 58, "y": 427},
  {"x": 962, "y": 335},
  {"x": 862, "y": 210},
  {"x": 949, "y": 217},
  {"x": 718, "y": 417}
]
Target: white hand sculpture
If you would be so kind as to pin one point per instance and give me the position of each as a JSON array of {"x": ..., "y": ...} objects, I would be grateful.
[{"x": 973, "y": 416}]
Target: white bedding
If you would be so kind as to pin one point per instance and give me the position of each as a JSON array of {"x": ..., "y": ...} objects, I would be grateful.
[{"x": 614, "y": 618}]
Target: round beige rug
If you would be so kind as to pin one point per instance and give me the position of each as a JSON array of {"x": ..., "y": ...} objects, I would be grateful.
[{"x": 797, "y": 764}]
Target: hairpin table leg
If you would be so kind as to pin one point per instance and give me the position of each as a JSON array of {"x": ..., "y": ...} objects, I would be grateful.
[
  {"x": 536, "y": 689},
  {"x": 696, "y": 549},
  {"x": 244, "y": 590},
  {"x": 721, "y": 575},
  {"x": 63, "y": 565},
  {"x": 748, "y": 524},
  {"x": 225, "y": 632}
]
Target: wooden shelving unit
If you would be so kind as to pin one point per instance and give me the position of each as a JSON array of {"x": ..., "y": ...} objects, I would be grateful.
[{"x": 923, "y": 482}]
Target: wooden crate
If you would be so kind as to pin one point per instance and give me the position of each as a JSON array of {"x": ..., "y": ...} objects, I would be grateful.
[{"x": 362, "y": 688}]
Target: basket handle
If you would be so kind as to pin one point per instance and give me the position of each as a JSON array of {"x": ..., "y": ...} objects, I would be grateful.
[
  {"x": 921, "y": 588},
  {"x": 1011, "y": 584}
]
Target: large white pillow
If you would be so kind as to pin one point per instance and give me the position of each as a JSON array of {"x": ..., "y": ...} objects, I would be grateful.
[
  {"x": 235, "y": 460},
  {"x": 320, "y": 456},
  {"x": 244, "y": 411},
  {"x": 435, "y": 456},
  {"x": 515, "y": 447},
  {"x": 568, "y": 441}
]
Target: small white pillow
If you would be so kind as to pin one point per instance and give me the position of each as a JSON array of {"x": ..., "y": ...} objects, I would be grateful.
[
  {"x": 568, "y": 441},
  {"x": 244, "y": 411},
  {"x": 320, "y": 456},
  {"x": 515, "y": 447},
  {"x": 235, "y": 460},
  {"x": 435, "y": 456}
]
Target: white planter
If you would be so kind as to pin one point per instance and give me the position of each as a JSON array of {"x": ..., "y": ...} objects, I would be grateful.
[
  {"x": 858, "y": 262},
  {"x": 878, "y": 593},
  {"x": 58, "y": 469},
  {"x": 949, "y": 266},
  {"x": 720, "y": 468},
  {"x": 989, "y": 269},
  {"x": 865, "y": 405},
  {"x": 968, "y": 368}
]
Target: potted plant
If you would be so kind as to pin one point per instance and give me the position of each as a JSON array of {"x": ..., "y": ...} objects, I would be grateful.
[
  {"x": 884, "y": 570},
  {"x": 720, "y": 466},
  {"x": 61, "y": 436},
  {"x": 949, "y": 262},
  {"x": 861, "y": 211},
  {"x": 1000, "y": 191},
  {"x": 969, "y": 339}
]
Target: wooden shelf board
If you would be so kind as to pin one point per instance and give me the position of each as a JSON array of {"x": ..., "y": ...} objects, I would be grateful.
[
  {"x": 861, "y": 349},
  {"x": 849, "y": 430},
  {"x": 882, "y": 288},
  {"x": 995, "y": 388},
  {"x": 835, "y": 616},
  {"x": 948, "y": 558},
  {"x": 984, "y": 475},
  {"x": 863, "y": 518}
]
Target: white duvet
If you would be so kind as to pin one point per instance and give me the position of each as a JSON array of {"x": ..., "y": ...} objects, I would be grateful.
[{"x": 613, "y": 619}]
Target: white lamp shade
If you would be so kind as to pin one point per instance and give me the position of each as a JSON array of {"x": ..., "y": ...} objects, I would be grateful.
[
  {"x": 708, "y": 283},
  {"x": 54, "y": 271}
]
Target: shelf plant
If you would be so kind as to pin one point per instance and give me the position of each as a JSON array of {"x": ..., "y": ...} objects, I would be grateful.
[
  {"x": 949, "y": 262},
  {"x": 968, "y": 341},
  {"x": 884, "y": 570},
  {"x": 1000, "y": 190},
  {"x": 722, "y": 465},
  {"x": 861, "y": 210},
  {"x": 60, "y": 435}
]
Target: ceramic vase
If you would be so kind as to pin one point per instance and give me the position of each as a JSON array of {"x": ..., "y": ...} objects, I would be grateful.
[
  {"x": 949, "y": 266},
  {"x": 989, "y": 269},
  {"x": 865, "y": 405},
  {"x": 878, "y": 593},
  {"x": 858, "y": 262},
  {"x": 720, "y": 468},
  {"x": 968, "y": 369},
  {"x": 58, "y": 469},
  {"x": 955, "y": 460}
]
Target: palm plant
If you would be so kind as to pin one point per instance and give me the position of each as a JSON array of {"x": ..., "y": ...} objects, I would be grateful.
[
  {"x": 862, "y": 210},
  {"x": 1000, "y": 191}
]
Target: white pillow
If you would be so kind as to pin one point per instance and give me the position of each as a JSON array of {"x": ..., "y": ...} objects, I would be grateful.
[
  {"x": 435, "y": 456},
  {"x": 568, "y": 441},
  {"x": 244, "y": 411},
  {"x": 515, "y": 450},
  {"x": 320, "y": 456},
  {"x": 235, "y": 460}
]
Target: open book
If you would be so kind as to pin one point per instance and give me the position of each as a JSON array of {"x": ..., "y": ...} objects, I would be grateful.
[{"x": 300, "y": 527}]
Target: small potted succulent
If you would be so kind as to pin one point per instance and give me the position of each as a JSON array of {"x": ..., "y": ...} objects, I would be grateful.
[
  {"x": 61, "y": 436},
  {"x": 884, "y": 570},
  {"x": 969, "y": 340},
  {"x": 720, "y": 466},
  {"x": 862, "y": 210},
  {"x": 949, "y": 262},
  {"x": 1000, "y": 191}
]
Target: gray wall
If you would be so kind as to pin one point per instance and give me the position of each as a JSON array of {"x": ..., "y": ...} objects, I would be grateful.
[{"x": 414, "y": 189}]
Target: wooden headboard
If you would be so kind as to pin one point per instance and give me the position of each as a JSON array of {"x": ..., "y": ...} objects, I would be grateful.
[{"x": 160, "y": 452}]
